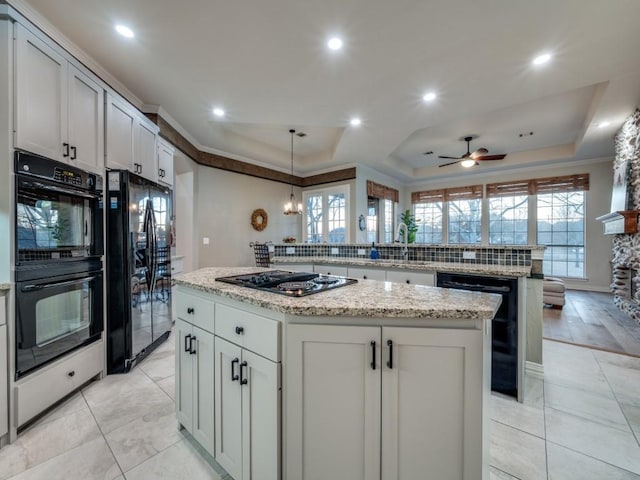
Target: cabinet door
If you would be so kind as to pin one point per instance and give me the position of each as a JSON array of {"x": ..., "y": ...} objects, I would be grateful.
[
  {"x": 261, "y": 407},
  {"x": 4, "y": 410},
  {"x": 165, "y": 162},
  {"x": 228, "y": 396},
  {"x": 121, "y": 121},
  {"x": 431, "y": 404},
  {"x": 417, "y": 278},
  {"x": 203, "y": 384},
  {"x": 184, "y": 375},
  {"x": 146, "y": 155},
  {"x": 333, "y": 402},
  {"x": 40, "y": 96},
  {"x": 86, "y": 120}
]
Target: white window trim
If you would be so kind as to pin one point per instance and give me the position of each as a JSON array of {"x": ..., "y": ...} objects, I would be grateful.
[{"x": 325, "y": 192}]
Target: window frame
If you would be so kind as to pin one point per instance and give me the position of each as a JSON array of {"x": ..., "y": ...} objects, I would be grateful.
[{"x": 325, "y": 193}]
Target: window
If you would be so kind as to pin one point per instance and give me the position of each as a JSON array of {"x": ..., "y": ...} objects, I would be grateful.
[
  {"x": 508, "y": 218},
  {"x": 464, "y": 209},
  {"x": 326, "y": 215},
  {"x": 387, "y": 225},
  {"x": 372, "y": 219},
  {"x": 560, "y": 226},
  {"x": 429, "y": 221}
]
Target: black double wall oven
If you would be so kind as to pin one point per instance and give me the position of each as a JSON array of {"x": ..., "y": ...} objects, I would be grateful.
[{"x": 58, "y": 272}]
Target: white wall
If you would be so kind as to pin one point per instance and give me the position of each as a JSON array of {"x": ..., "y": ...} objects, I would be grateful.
[
  {"x": 185, "y": 210},
  {"x": 224, "y": 203},
  {"x": 598, "y": 251}
]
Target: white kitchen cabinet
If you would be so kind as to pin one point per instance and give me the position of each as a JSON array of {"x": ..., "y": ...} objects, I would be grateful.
[
  {"x": 121, "y": 127},
  {"x": 165, "y": 162},
  {"x": 416, "y": 408},
  {"x": 411, "y": 277},
  {"x": 59, "y": 108},
  {"x": 146, "y": 158},
  {"x": 366, "y": 273},
  {"x": 333, "y": 402},
  {"x": 86, "y": 120},
  {"x": 339, "y": 270},
  {"x": 194, "y": 382},
  {"x": 247, "y": 406},
  {"x": 431, "y": 404}
]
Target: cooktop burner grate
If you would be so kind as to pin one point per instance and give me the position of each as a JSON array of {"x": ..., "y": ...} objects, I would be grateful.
[{"x": 294, "y": 284}]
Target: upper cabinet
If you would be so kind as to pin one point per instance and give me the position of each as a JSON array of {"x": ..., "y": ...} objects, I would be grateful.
[
  {"x": 121, "y": 127},
  {"x": 165, "y": 162},
  {"x": 58, "y": 108},
  {"x": 131, "y": 139}
]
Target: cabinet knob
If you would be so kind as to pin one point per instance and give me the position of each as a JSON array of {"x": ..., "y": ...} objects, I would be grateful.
[
  {"x": 408, "y": 281},
  {"x": 239, "y": 330},
  {"x": 71, "y": 373},
  {"x": 364, "y": 277},
  {"x": 190, "y": 310}
]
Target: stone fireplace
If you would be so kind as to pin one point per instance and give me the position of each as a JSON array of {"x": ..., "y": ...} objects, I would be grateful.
[{"x": 626, "y": 247}]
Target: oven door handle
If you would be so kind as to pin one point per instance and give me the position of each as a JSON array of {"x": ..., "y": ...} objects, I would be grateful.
[
  {"x": 33, "y": 288},
  {"x": 68, "y": 191}
]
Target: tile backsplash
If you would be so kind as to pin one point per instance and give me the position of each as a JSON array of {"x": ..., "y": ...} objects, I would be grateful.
[{"x": 511, "y": 255}]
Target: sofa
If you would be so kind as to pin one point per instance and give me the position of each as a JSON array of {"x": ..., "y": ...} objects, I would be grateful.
[{"x": 553, "y": 292}]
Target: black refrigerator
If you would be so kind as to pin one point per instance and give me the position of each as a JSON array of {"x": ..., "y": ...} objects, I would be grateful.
[{"x": 139, "y": 237}]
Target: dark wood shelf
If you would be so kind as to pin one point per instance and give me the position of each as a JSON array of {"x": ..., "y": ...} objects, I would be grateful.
[{"x": 620, "y": 222}]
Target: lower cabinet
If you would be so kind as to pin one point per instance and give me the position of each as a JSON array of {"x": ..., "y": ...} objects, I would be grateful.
[
  {"x": 247, "y": 406},
  {"x": 400, "y": 401},
  {"x": 366, "y": 273},
  {"x": 195, "y": 361}
]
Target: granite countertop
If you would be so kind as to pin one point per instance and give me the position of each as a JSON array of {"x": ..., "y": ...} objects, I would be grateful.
[
  {"x": 367, "y": 298},
  {"x": 509, "y": 270},
  {"x": 5, "y": 287}
]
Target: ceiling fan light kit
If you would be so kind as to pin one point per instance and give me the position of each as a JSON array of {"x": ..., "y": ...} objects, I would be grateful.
[{"x": 470, "y": 159}]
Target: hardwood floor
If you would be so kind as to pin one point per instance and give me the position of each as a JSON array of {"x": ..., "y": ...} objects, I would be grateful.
[{"x": 591, "y": 319}]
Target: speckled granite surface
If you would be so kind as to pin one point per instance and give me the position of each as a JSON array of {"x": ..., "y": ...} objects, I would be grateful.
[
  {"x": 5, "y": 287},
  {"x": 367, "y": 298},
  {"x": 514, "y": 271}
]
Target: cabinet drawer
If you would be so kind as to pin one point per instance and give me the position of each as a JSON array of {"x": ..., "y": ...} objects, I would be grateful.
[
  {"x": 42, "y": 389},
  {"x": 195, "y": 310},
  {"x": 253, "y": 332},
  {"x": 339, "y": 270},
  {"x": 416, "y": 278},
  {"x": 366, "y": 273}
]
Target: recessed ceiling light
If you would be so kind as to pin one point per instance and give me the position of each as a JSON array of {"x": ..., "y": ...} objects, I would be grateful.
[
  {"x": 355, "y": 121},
  {"x": 125, "y": 31},
  {"x": 604, "y": 124},
  {"x": 429, "y": 97},
  {"x": 218, "y": 112},
  {"x": 542, "y": 59},
  {"x": 335, "y": 43}
]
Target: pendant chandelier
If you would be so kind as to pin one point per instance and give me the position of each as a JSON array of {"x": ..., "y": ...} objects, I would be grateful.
[{"x": 292, "y": 207}]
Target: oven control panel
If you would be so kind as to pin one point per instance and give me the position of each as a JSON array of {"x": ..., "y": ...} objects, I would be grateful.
[{"x": 66, "y": 176}]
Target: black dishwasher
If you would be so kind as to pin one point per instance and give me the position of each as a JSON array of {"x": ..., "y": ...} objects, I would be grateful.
[{"x": 504, "y": 328}]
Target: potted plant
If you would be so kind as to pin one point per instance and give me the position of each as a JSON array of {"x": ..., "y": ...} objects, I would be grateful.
[{"x": 410, "y": 221}]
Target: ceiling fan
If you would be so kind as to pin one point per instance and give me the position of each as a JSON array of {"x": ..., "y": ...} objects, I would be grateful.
[{"x": 471, "y": 159}]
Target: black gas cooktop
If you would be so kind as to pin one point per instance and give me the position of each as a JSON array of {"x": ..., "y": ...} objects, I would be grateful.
[{"x": 293, "y": 284}]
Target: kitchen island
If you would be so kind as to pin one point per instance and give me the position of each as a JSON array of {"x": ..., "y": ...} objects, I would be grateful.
[{"x": 372, "y": 380}]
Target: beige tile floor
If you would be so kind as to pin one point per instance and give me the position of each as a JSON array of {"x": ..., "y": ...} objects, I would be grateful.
[{"x": 581, "y": 422}]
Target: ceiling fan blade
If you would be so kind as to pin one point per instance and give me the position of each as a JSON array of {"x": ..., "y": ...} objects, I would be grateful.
[
  {"x": 491, "y": 157},
  {"x": 447, "y": 164},
  {"x": 450, "y": 158},
  {"x": 479, "y": 152}
]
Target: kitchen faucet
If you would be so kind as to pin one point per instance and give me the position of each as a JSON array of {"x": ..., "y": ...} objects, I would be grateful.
[{"x": 405, "y": 250}]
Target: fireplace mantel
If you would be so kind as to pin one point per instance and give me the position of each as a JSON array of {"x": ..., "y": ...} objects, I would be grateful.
[{"x": 622, "y": 221}]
